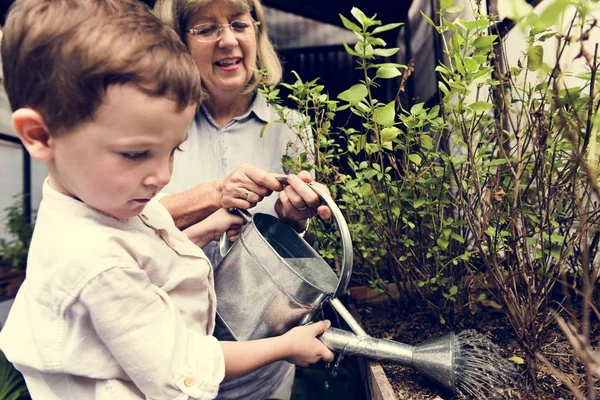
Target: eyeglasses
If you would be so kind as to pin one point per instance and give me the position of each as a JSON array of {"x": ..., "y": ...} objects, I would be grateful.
[{"x": 214, "y": 32}]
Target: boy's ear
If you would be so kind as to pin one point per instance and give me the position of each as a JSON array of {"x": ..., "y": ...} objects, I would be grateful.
[{"x": 34, "y": 134}]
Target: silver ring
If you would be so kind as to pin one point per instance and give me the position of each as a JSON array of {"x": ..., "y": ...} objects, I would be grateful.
[
  {"x": 246, "y": 194},
  {"x": 302, "y": 209}
]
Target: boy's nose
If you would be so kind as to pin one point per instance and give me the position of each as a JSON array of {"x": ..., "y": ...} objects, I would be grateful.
[{"x": 160, "y": 176}]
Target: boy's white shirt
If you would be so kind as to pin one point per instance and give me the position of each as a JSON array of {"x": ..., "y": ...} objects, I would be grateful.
[{"x": 110, "y": 307}]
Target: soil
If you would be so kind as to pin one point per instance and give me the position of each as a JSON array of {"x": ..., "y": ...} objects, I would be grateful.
[{"x": 411, "y": 325}]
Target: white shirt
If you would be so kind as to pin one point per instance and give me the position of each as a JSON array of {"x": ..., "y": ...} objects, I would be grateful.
[
  {"x": 213, "y": 152},
  {"x": 113, "y": 309}
]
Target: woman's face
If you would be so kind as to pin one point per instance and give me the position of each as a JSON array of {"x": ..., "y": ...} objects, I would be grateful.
[{"x": 226, "y": 65}]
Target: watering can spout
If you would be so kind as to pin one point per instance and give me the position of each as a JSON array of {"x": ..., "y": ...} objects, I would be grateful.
[{"x": 433, "y": 358}]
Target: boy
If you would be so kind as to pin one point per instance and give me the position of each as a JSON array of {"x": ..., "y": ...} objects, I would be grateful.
[{"x": 117, "y": 303}]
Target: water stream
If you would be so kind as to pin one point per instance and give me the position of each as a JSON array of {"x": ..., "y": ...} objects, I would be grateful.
[{"x": 480, "y": 367}]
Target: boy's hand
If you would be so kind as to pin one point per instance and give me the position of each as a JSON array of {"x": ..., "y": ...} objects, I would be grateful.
[
  {"x": 212, "y": 227},
  {"x": 305, "y": 348}
]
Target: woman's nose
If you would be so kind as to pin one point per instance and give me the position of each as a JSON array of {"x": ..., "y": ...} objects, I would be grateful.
[{"x": 227, "y": 37}]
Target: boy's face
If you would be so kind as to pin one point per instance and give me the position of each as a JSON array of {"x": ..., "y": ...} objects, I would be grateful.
[{"x": 117, "y": 162}]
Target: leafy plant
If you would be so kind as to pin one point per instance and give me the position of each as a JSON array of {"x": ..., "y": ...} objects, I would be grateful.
[
  {"x": 496, "y": 186},
  {"x": 524, "y": 176},
  {"x": 388, "y": 173},
  {"x": 12, "y": 384},
  {"x": 14, "y": 251}
]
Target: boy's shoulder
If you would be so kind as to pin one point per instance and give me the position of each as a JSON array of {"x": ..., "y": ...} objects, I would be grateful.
[{"x": 78, "y": 237}]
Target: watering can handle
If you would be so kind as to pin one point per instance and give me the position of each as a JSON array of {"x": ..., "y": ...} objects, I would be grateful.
[
  {"x": 225, "y": 243},
  {"x": 347, "y": 252}
]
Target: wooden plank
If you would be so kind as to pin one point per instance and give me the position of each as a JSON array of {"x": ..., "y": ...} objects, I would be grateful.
[
  {"x": 381, "y": 388},
  {"x": 10, "y": 282}
]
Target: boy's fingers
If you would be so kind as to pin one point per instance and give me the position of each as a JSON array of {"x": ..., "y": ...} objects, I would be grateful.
[
  {"x": 328, "y": 355},
  {"x": 321, "y": 326}
]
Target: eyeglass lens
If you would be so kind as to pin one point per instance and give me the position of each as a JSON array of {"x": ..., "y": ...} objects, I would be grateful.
[{"x": 213, "y": 32}]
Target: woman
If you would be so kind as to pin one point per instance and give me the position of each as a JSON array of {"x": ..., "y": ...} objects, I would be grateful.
[{"x": 229, "y": 44}]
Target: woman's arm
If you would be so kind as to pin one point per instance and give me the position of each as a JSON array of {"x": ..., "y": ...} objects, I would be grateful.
[{"x": 243, "y": 188}]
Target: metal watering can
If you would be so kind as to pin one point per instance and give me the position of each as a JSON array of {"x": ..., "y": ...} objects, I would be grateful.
[{"x": 271, "y": 280}]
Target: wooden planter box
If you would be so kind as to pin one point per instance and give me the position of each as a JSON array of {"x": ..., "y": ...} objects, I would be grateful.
[
  {"x": 378, "y": 384},
  {"x": 10, "y": 281}
]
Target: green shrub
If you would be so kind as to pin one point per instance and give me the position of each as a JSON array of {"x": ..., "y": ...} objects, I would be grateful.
[{"x": 14, "y": 251}]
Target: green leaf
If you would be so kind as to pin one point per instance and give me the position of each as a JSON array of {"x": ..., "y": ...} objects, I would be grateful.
[
  {"x": 480, "y": 106},
  {"x": 385, "y": 115},
  {"x": 350, "y": 25},
  {"x": 551, "y": 14},
  {"x": 387, "y": 27},
  {"x": 484, "y": 42},
  {"x": 470, "y": 64},
  {"x": 475, "y": 24},
  {"x": 496, "y": 162},
  {"x": 390, "y": 133},
  {"x": 349, "y": 50},
  {"x": 454, "y": 8},
  {"x": 443, "y": 243},
  {"x": 387, "y": 73},
  {"x": 372, "y": 148},
  {"x": 415, "y": 158},
  {"x": 418, "y": 203},
  {"x": 385, "y": 52},
  {"x": 355, "y": 94},
  {"x": 445, "y": 4},
  {"x": 535, "y": 57},
  {"x": 429, "y": 21},
  {"x": 457, "y": 237},
  {"x": 359, "y": 15}
]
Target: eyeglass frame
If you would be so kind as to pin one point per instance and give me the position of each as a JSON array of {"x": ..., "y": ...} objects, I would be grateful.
[{"x": 220, "y": 30}]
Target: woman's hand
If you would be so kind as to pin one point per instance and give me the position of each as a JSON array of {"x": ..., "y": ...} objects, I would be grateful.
[
  {"x": 212, "y": 227},
  {"x": 298, "y": 202},
  {"x": 246, "y": 186}
]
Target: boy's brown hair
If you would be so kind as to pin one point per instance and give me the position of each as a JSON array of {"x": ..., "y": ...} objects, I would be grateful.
[{"x": 60, "y": 56}]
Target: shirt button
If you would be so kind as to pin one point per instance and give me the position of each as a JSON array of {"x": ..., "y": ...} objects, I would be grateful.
[{"x": 189, "y": 381}]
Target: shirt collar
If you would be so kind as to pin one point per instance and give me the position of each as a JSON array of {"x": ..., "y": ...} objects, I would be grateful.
[
  {"x": 70, "y": 205},
  {"x": 258, "y": 107},
  {"x": 261, "y": 108}
]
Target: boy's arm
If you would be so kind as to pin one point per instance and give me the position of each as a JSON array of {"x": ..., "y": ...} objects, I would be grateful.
[
  {"x": 299, "y": 346},
  {"x": 197, "y": 203}
]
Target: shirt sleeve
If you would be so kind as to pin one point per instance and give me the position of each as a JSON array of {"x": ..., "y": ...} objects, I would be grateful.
[{"x": 144, "y": 331}]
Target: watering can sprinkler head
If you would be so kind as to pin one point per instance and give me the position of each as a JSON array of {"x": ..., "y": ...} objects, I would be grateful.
[
  {"x": 466, "y": 364},
  {"x": 435, "y": 358}
]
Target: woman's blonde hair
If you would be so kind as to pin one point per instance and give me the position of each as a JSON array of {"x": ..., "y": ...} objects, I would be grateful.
[{"x": 177, "y": 13}]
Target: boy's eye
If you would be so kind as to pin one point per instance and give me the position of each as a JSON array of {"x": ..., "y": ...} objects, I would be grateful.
[
  {"x": 131, "y": 155},
  {"x": 178, "y": 148}
]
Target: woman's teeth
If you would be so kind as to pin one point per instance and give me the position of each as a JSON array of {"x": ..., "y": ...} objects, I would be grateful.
[{"x": 227, "y": 63}]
